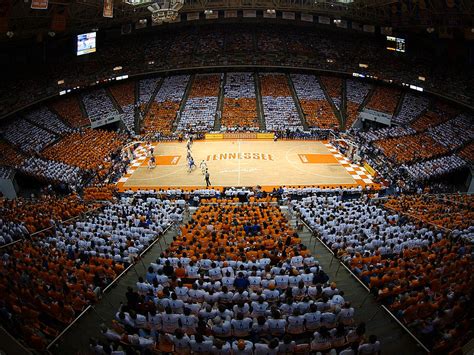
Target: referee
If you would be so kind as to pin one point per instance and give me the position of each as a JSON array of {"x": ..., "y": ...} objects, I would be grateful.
[{"x": 207, "y": 177}]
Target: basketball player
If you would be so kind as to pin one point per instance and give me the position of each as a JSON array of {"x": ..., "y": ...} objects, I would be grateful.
[
  {"x": 191, "y": 164},
  {"x": 203, "y": 166},
  {"x": 207, "y": 177}
]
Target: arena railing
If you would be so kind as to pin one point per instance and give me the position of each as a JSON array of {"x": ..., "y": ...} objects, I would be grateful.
[
  {"x": 109, "y": 286},
  {"x": 413, "y": 336},
  {"x": 12, "y": 345},
  {"x": 442, "y": 197},
  {"x": 447, "y": 230}
]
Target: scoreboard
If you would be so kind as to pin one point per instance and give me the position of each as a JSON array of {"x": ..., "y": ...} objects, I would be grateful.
[{"x": 396, "y": 44}]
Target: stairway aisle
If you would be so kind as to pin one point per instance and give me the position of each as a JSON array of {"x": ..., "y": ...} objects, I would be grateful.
[
  {"x": 335, "y": 109},
  {"x": 184, "y": 99},
  {"x": 152, "y": 98},
  {"x": 113, "y": 100},
  {"x": 399, "y": 104},
  {"x": 220, "y": 104},
  {"x": 297, "y": 102},
  {"x": 344, "y": 104},
  {"x": 367, "y": 98},
  {"x": 258, "y": 97},
  {"x": 82, "y": 107}
]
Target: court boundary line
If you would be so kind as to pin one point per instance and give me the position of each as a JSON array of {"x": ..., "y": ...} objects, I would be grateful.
[{"x": 179, "y": 166}]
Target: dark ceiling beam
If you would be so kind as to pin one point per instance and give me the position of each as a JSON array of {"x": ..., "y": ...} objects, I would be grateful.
[{"x": 87, "y": 14}]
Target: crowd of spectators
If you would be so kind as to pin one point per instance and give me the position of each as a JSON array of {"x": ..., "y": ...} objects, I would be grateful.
[
  {"x": 446, "y": 108},
  {"x": 356, "y": 92},
  {"x": 353, "y": 226},
  {"x": 432, "y": 141},
  {"x": 6, "y": 172},
  {"x": 69, "y": 109},
  {"x": 412, "y": 106},
  {"x": 146, "y": 88},
  {"x": 467, "y": 153},
  {"x": 52, "y": 171},
  {"x": 98, "y": 104},
  {"x": 46, "y": 119},
  {"x": 104, "y": 192},
  {"x": 11, "y": 231},
  {"x": 209, "y": 42},
  {"x": 27, "y": 137},
  {"x": 124, "y": 95},
  {"x": 89, "y": 149},
  {"x": 265, "y": 294},
  {"x": 239, "y": 41},
  {"x": 242, "y": 44},
  {"x": 38, "y": 213},
  {"x": 9, "y": 156},
  {"x": 240, "y": 103},
  {"x": 200, "y": 110},
  {"x": 165, "y": 107},
  {"x": 384, "y": 99},
  {"x": 412, "y": 267},
  {"x": 433, "y": 168},
  {"x": 269, "y": 41},
  {"x": 454, "y": 133},
  {"x": 333, "y": 87},
  {"x": 279, "y": 108},
  {"x": 295, "y": 193},
  {"x": 119, "y": 232},
  {"x": 411, "y": 148},
  {"x": 182, "y": 48},
  {"x": 48, "y": 279},
  {"x": 316, "y": 109},
  {"x": 43, "y": 289},
  {"x": 373, "y": 135},
  {"x": 428, "y": 120},
  {"x": 451, "y": 211}
]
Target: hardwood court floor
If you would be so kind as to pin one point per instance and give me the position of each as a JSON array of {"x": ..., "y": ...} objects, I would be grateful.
[{"x": 245, "y": 163}]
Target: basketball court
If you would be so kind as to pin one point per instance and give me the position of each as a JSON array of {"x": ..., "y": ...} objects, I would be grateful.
[{"x": 244, "y": 163}]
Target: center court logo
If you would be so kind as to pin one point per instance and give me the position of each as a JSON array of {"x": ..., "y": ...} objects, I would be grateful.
[{"x": 239, "y": 156}]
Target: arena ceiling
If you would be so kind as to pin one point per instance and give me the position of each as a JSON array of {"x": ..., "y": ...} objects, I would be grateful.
[{"x": 73, "y": 16}]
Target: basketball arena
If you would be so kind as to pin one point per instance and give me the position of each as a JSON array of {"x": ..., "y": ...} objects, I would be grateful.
[{"x": 236, "y": 177}]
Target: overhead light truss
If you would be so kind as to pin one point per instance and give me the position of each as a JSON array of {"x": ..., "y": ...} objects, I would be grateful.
[{"x": 165, "y": 10}]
